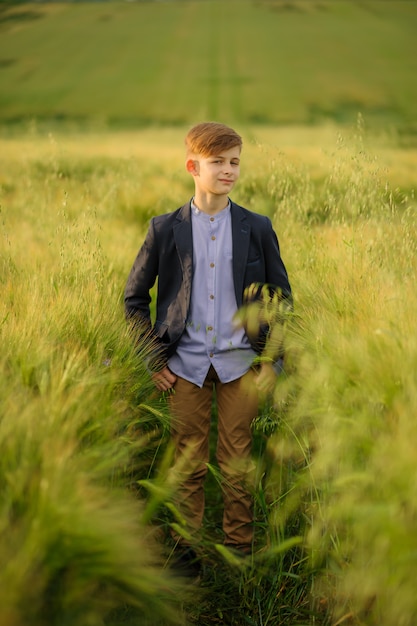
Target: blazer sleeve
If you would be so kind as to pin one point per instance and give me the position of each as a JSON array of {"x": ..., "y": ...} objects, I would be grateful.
[
  {"x": 276, "y": 273},
  {"x": 141, "y": 279}
]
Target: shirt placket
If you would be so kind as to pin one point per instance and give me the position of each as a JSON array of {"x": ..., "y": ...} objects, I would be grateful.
[{"x": 211, "y": 286}]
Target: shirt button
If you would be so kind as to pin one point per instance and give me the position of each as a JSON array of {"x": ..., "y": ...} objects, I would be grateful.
[
  {"x": 209, "y": 327},
  {"x": 211, "y": 355},
  {"x": 212, "y": 219},
  {"x": 211, "y": 264},
  {"x": 211, "y": 297},
  {"x": 213, "y": 238}
]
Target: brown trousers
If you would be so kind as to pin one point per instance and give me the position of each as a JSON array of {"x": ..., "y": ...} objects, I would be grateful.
[{"x": 237, "y": 406}]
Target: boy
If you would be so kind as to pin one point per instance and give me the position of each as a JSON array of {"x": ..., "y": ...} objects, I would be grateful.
[{"x": 208, "y": 255}]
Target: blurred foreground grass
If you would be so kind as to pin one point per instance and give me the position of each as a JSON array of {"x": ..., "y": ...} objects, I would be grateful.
[{"x": 335, "y": 501}]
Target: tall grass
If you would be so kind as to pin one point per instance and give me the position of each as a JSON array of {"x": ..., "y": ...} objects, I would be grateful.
[
  {"x": 350, "y": 395},
  {"x": 76, "y": 422},
  {"x": 84, "y": 476},
  {"x": 356, "y": 391}
]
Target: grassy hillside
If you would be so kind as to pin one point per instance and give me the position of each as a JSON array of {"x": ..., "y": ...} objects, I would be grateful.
[{"x": 240, "y": 61}]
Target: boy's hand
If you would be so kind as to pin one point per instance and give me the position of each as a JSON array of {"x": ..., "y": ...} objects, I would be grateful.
[
  {"x": 164, "y": 379},
  {"x": 266, "y": 379}
]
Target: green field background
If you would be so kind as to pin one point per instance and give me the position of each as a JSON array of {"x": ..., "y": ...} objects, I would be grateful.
[{"x": 275, "y": 62}]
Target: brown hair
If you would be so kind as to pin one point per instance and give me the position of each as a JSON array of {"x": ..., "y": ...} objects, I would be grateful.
[{"x": 210, "y": 138}]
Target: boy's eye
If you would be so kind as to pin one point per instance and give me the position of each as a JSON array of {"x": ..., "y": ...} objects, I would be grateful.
[{"x": 220, "y": 161}]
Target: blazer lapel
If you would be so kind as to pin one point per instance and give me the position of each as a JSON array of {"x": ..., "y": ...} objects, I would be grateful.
[
  {"x": 184, "y": 243},
  {"x": 240, "y": 242}
]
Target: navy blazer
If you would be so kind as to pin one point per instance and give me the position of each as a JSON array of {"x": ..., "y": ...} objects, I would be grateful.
[{"x": 167, "y": 254}]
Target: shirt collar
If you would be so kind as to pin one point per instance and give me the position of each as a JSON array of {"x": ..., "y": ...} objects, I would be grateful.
[{"x": 218, "y": 216}]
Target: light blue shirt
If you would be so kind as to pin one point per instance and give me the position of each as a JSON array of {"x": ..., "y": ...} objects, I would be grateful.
[{"x": 210, "y": 336}]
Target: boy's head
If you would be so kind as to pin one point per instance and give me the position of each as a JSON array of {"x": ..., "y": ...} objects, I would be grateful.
[{"x": 209, "y": 138}]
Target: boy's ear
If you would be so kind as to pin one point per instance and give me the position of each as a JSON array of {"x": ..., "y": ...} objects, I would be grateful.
[{"x": 191, "y": 166}]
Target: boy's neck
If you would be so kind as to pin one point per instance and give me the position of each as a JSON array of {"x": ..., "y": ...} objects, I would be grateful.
[{"x": 209, "y": 203}]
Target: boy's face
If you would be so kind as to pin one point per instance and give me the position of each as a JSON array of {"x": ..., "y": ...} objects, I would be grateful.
[{"x": 216, "y": 174}]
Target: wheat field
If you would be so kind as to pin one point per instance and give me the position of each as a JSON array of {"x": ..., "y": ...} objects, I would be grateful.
[{"x": 86, "y": 495}]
